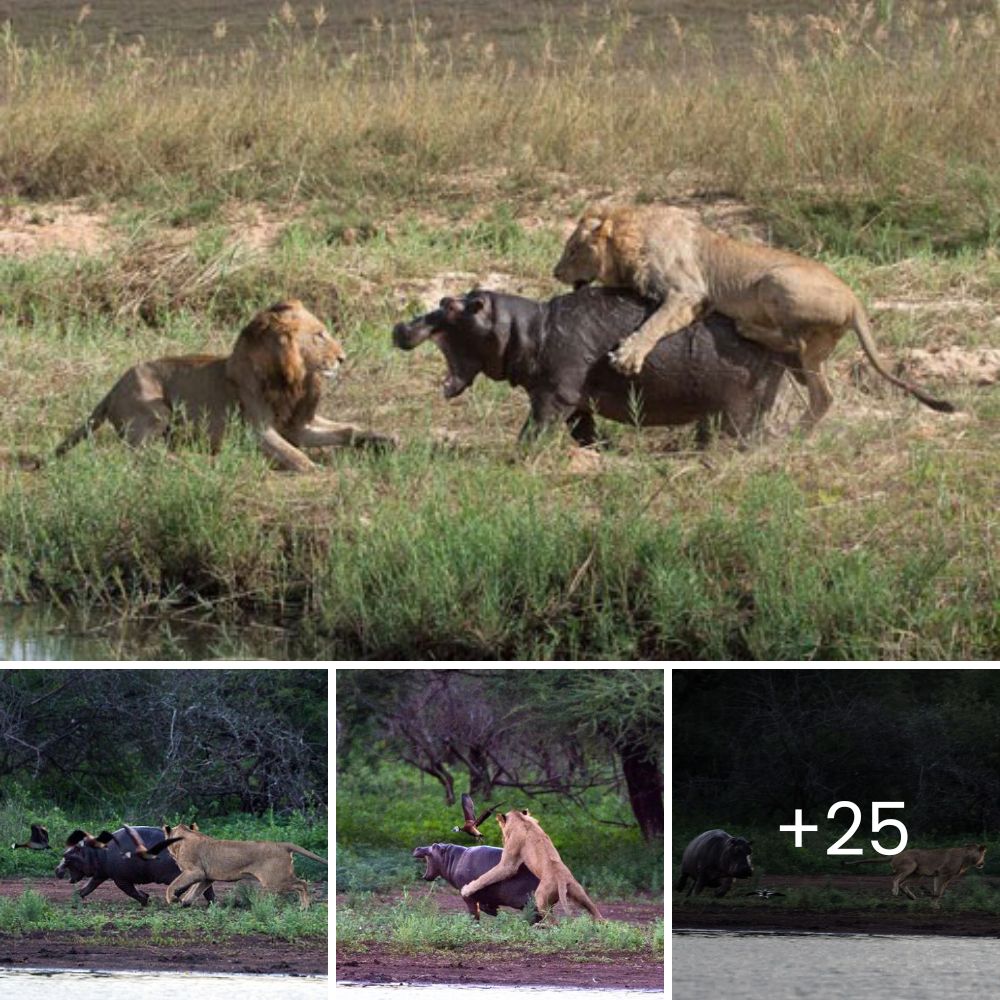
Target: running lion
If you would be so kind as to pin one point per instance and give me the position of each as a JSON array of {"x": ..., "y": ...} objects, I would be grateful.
[
  {"x": 778, "y": 299},
  {"x": 944, "y": 865}
]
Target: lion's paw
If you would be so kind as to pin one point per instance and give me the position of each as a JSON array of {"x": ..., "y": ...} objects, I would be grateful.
[{"x": 627, "y": 359}]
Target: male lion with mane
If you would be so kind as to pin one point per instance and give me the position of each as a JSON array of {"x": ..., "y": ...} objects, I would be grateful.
[
  {"x": 204, "y": 860},
  {"x": 526, "y": 843},
  {"x": 785, "y": 302},
  {"x": 945, "y": 865},
  {"x": 273, "y": 379}
]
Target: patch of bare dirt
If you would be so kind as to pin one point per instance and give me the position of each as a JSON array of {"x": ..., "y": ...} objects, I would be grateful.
[
  {"x": 972, "y": 366},
  {"x": 30, "y": 230},
  {"x": 491, "y": 964},
  {"x": 245, "y": 954}
]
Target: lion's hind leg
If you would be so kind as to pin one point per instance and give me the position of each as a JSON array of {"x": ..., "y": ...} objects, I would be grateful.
[
  {"x": 546, "y": 896},
  {"x": 579, "y": 895}
]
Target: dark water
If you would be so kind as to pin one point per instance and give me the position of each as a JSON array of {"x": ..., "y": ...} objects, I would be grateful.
[
  {"x": 48, "y": 633},
  {"x": 707, "y": 965}
]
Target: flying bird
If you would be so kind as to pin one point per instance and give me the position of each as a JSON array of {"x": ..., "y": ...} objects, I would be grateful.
[
  {"x": 39, "y": 840},
  {"x": 763, "y": 893},
  {"x": 471, "y": 824}
]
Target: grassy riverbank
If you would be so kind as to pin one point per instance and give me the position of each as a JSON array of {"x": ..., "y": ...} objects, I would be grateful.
[{"x": 222, "y": 182}]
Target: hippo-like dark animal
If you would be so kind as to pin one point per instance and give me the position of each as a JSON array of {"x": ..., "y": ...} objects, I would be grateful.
[
  {"x": 713, "y": 859},
  {"x": 120, "y": 861},
  {"x": 461, "y": 865},
  {"x": 558, "y": 352}
]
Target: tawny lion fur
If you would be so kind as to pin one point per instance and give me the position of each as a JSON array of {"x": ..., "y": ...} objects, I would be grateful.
[
  {"x": 273, "y": 380},
  {"x": 526, "y": 843},
  {"x": 204, "y": 860},
  {"x": 945, "y": 865},
  {"x": 778, "y": 299}
]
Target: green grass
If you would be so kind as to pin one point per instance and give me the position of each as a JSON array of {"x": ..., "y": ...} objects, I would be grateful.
[
  {"x": 266, "y": 915},
  {"x": 835, "y": 127},
  {"x": 415, "y": 925}
]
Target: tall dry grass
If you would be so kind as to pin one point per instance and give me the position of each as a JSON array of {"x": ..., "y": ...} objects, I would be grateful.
[{"x": 855, "y": 121}]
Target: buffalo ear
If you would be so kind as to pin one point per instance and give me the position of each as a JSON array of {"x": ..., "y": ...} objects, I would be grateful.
[{"x": 475, "y": 305}]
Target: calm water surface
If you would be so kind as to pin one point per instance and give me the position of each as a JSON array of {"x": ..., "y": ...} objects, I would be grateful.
[
  {"x": 708, "y": 965},
  {"x": 38, "y": 632},
  {"x": 58, "y": 984}
]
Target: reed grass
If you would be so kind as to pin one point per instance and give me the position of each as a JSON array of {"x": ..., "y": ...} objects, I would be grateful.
[{"x": 871, "y": 128}]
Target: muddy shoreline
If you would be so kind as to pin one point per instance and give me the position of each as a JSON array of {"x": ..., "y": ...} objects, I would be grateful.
[
  {"x": 894, "y": 916},
  {"x": 488, "y": 964},
  {"x": 133, "y": 949}
]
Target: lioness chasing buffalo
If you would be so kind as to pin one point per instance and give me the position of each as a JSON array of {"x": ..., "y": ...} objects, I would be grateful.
[{"x": 183, "y": 858}]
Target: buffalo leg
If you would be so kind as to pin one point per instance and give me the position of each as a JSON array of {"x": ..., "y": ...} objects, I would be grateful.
[
  {"x": 545, "y": 411},
  {"x": 91, "y": 886},
  {"x": 725, "y": 887},
  {"x": 130, "y": 890}
]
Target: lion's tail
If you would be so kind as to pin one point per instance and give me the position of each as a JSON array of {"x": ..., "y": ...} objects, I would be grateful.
[
  {"x": 87, "y": 428},
  {"x": 295, "y": 849},
  {"x": 862, "y": 328},
  {"x": 867, "y": 861}
]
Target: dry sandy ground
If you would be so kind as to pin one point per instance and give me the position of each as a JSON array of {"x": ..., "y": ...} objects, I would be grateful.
[
  {"x": 511, "y": 966},
  {"x": 110, "y": 948}
]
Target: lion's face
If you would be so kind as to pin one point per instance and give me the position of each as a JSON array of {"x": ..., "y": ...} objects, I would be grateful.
[
  {"x": 321, "y": 353},
  {"x": 587, "y": 255}
]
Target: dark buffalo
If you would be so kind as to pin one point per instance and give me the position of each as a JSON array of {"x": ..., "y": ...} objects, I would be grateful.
[
  {"x": 119, "y": 856},
  {"x": 713, "y": 859},
  {"x": 461, "y": 865},
  {"x": 558, "y": 352}
]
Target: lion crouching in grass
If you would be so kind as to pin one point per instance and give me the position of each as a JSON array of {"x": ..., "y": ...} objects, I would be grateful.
[
  {"x": 526, "y": 843},
  {"x": 785, "y": 302},
  {"x": 204, "y": 860},
  {"x": 273, "y": 379},
  {"x": 944, "y": 865}
]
